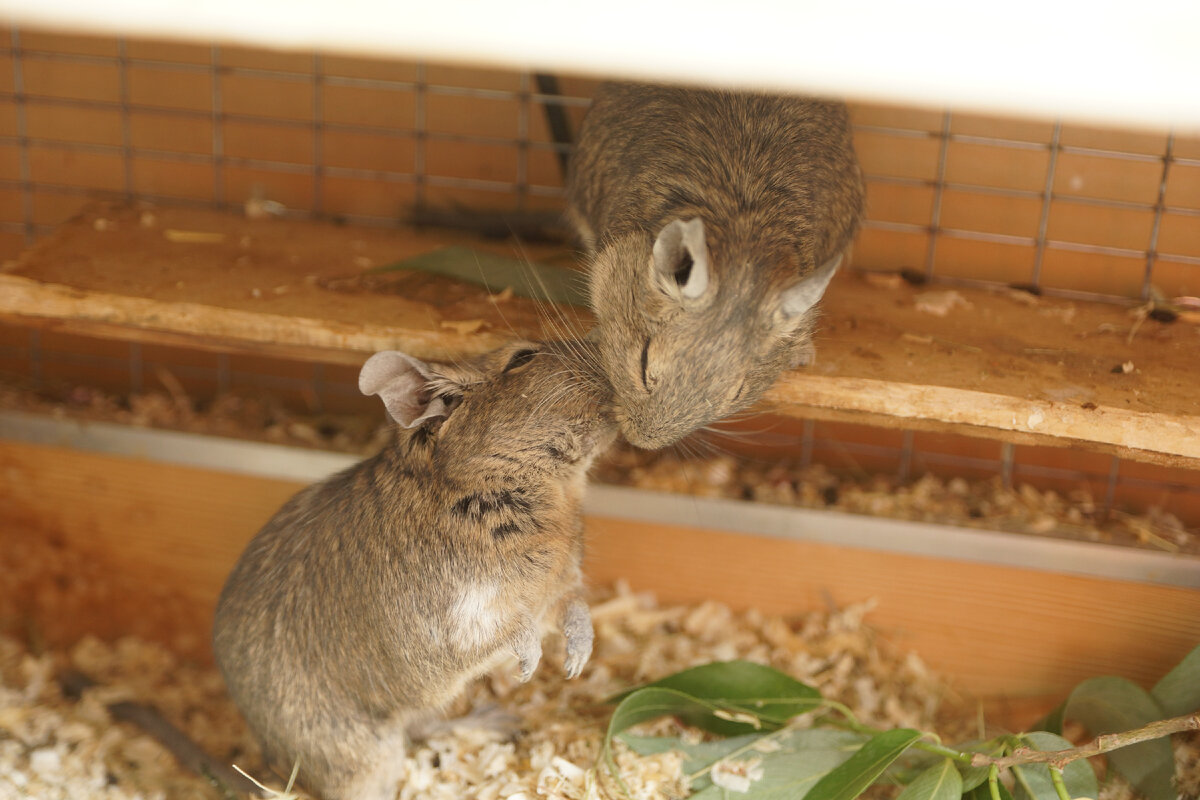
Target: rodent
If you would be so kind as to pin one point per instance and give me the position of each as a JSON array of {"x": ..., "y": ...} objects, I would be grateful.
[
  {"x": 714, "y": 221},
  {"x": 371, "y": 598}
]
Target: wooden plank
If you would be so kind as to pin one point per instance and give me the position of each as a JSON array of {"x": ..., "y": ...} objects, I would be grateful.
[
  {"x": 1001, "y": 632},
  {"x": 997, "y": 630},
  {"x": 277, "y": 285},
  {"x": 1007, "y": 366},
  {"x": 140, "y": 319},
  {"x": 1141, "y": 435}
]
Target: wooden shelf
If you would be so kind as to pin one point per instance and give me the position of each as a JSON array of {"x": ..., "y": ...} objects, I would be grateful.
[{"x": 1004, "y": 365}]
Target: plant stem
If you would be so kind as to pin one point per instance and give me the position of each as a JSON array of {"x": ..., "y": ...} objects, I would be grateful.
[
  {"x": 1056, "y": 777},
  {"x": 852, "y": 723},
  {"x": 994, "y": 782},
  {"x": 1101, "y": 744}
]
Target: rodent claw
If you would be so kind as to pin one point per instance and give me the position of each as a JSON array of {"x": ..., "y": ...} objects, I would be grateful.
[
  {"x": 578, "y": 653},
  {"x": 577, "y": 629}
]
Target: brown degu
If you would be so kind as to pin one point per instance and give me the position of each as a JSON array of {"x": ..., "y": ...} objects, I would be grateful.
[
  {"x": 370, "y": 599},
  {"x": 714, "y": 221}
]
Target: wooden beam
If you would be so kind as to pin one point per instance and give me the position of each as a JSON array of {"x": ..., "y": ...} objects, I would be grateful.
[
  {"x": 108, "y": 315},
  {"x": 1143, "y": 436}
]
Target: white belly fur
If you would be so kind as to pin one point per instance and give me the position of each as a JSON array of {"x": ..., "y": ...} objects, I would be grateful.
[{"x": 476, "y": 616}]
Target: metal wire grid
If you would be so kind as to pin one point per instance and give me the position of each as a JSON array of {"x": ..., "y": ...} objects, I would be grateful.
[
  {"x": 1047, "y": 196},
  {"x": 521, "y": 189},
  {"x": 1007, "y": 467},
  {"x": 421, "y": 179},
  {"x": 222, "y": 376}
]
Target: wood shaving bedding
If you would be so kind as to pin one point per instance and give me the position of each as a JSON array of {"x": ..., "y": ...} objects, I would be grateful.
[
  {"x": 985, "y": 504},
  {"x": 51, "y": 747}
]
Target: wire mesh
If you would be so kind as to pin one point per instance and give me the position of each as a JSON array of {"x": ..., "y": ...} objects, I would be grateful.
[
  {"x": 535, "y": 182},
  {"x": 422, "y": 176}
]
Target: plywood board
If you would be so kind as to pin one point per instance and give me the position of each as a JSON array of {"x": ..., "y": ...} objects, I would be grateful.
[
  {"x": 1009, "y": 634},
  {"x": 1006, "y": 365}
]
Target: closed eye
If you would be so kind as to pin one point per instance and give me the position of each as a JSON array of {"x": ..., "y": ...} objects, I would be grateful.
[
  {"x": 741, "y": 388},
  {"x": 645, "y": 363}
]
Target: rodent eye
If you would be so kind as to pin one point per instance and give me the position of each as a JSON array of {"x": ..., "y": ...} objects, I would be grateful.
[{"x": 520, "y": 359}]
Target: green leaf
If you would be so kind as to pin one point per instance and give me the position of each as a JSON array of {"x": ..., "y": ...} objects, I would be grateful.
[
  {"x": 1179, "y": 690},
  {"x": 939, "y": 782},
  {"x": 800, "y": 759},
  {"x": 695, "y": 756},
  {"x": 640, "y": 706},
  {"x": 803, "y": 758},
  {"x": 851, "y": 779},
  {"x": 1113, "y": 705},
  {"x": 1033, "y": 782},
  {"x": 769, "y": 696},
  {"x": 653, "y": 702},
  {"x": 495, "y": 272}
]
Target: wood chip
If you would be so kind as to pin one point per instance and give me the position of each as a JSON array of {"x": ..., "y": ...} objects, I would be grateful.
[
  {"x": 193, "y": 237},
  {"x": 940, "y": 303},
  {"x": 886, "y": 280}
]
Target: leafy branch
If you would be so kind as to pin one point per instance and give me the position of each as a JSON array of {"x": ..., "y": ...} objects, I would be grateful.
[
  {"x": 784, "y": 741},
  {"x": 1098, "y": 746}
]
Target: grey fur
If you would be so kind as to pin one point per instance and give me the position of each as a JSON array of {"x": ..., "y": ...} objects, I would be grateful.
[
  {"x": 774, "y": 181},
  {"x": 346, "y": 619}
]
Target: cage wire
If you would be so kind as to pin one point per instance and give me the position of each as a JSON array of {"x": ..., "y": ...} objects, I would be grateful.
[{"x": 535, "y": 94}]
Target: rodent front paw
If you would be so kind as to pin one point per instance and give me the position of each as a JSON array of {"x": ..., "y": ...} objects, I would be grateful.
[
  {"x": 528, "y": 648},
  {"x": 577, "y": 629},
  {"x": 529, "y": 665}
]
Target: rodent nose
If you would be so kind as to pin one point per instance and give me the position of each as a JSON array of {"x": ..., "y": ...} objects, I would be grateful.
[{"x": 644, "y": 438}]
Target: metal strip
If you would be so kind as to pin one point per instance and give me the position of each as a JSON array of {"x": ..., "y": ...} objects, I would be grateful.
[
  {"x": 1047, "y": 202},
  {"x": 739, "y": 517},
  {"x": 20, "y": 101},
  {"x": 931, "y": 540},
  {"x": 216, "y": 116},
  {"x": 1159, "y": 205},
  {"x": 939, "y": 187}
]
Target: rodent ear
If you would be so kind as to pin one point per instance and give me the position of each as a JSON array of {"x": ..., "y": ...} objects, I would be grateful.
[
  {"x": 681, "y": 259},
  {"x": 402, "y": 382},
  {"x": 804, "y": 295}
]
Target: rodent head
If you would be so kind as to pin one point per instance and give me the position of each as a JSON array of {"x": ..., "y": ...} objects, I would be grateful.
[
  {"x": 684, "y": 344},
  {"x": 542, "y": 407}
]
